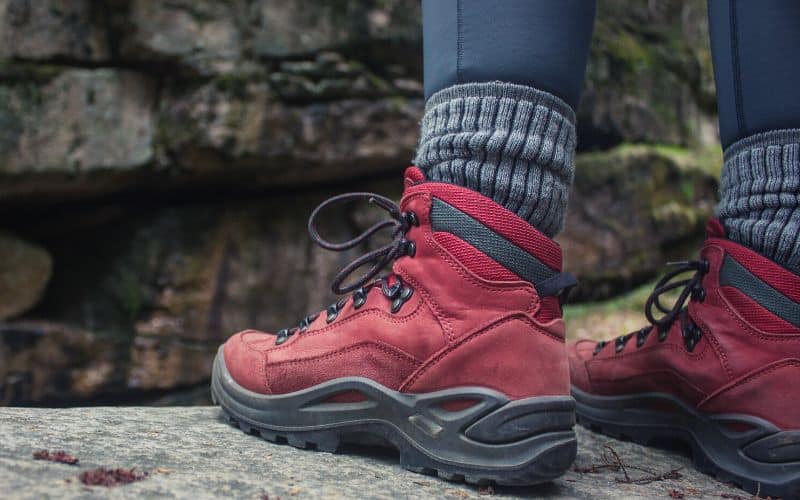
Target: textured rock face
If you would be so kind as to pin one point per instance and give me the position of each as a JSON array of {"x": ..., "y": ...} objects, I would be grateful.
[
  {"x": 159, "y": 160},
  {"x": 191, "y": 453},
  {"x": 289, "y": 28},
  {"x": 649, "y": 76},
  {"x": 79, "y": 121},
  {"x": 46, "y": 361},
  {"x": 271, "y": 85},
  {"x": 160, "y": 287},
  {"x": 25, "y": 270},
  {"x": 205, "y": 37},
  {"x": 632, "y": 209},
  {"x": 52, "y": 29},
  {"x": 242, "y": 125}
]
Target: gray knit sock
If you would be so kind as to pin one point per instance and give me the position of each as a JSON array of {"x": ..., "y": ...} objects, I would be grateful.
[
  {"x": 760, "y": 195},
  {"x": 511, "y": 143}
]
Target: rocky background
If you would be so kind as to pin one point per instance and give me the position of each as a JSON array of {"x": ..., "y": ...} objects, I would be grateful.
[{"x": 158, "y": 161}]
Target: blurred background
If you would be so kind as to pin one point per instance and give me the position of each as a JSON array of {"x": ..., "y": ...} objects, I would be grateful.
[{"x": 159, "y": 159}]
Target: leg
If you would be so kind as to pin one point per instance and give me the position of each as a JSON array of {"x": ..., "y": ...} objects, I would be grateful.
[
  {"x": 457, "y": 356},
  {"x": 542, "y": 44},
  {"x": 717, "y": 369},
  {"x": 755, "y": 47},
  {"x": 502, "y": 79}
]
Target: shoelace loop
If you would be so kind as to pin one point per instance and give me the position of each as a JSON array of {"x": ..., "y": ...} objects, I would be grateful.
[
  {"x": 691, "y": 288},
  {"x": 399, "y": 223},
  {"x": 396, "y": 291}
]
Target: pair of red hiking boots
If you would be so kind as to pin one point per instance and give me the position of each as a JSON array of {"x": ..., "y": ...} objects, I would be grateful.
[{"x": 458, "y": 359}]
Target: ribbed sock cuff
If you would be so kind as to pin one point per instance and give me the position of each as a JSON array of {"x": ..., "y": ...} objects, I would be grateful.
[
  {"x": 512, "y": 143},
  {"x": 760, "y": 195}
]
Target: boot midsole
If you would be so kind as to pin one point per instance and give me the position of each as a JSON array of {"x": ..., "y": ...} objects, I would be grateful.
[
  {"x": 494, "y": 433},
  {"x": 743, "y": 445}
]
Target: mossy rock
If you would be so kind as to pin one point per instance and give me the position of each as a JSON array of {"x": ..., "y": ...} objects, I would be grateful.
[
  {"x": 631, "y": 209},
  {"x": 25, "y": 270}
]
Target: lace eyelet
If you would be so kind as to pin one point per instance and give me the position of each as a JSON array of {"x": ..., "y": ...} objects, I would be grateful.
[
  {"x": 599, "y": 347},
  {"x": 391, "y": 291},
  {"x": 401, "y": 299},
  {"x": 662, "y": 334},
  {"x": 641, "y": 337},
  {"x": 619, "y": 344},
  {"x": 412, "y": 219},
  {"x": 396, "y": 305},
  {"x": 284, "y": 334},
  {"x": 410, "y": 248},
  {"x": 332, "y": 313},
  {"x": 307, "y": 321},
  {"x": 359, "y": 298},
  {"x": 699, "y": 295}
]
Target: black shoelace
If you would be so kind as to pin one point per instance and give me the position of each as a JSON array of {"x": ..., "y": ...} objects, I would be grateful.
[
  {"x": 691, "y": 289},
  {"x": 392, "y": 286}
]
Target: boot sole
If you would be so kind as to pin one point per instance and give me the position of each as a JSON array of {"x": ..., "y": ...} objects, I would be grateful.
[
  {"x": 496, "y": 440},
  {"x": 744, "y": 450}
]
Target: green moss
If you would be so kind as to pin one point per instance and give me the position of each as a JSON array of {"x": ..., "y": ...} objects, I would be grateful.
[
  {"x": 28, "y": 72},
  {"x": 127, "y": 290},
  {"x": 687, "y": 190},
  {"x": 674, "y": 213},
  {"x": 706, "y": 161},
  {"x": 632, "y": 301},
  {"x": 235, "y": 83},
  {"x": 398, "y": 103},
  {"x": 626, "y": 49}
]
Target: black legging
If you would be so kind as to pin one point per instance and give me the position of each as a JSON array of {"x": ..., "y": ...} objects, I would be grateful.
[
  {"x": 539, "y": 43},
  {"x": 545, "y": 44},
  {"x": 756, "y": 52}
]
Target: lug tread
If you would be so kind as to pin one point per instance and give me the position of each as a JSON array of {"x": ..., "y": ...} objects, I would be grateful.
[
  {"x": 330, "y": 444},
  {"x": 699, "y": 459}
]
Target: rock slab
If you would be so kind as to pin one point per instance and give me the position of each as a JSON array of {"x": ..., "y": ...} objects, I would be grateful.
[
  {"x": 25, "y": 270},
  {"x": 190, "y": 452}
]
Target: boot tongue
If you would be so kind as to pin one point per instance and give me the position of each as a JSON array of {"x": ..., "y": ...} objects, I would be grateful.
[
  {"x": 413, "y": 176},
  {"x": 715, "y": 229}
]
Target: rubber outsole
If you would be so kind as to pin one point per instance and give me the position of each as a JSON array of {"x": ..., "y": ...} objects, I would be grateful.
[
  {"x": 743, "y": 450},
  {"x": 494, "y": 440}
]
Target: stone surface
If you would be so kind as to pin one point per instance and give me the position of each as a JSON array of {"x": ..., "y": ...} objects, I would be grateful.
[
  {"x": 25, "y": 270},
  {"x": 162, "y": 286},
  {"x": 192, "y": 453},
  {"x": 229, "y": 130},
  {"x": 632, "y": 209},
  {"x": 289, "y": 28},
  {"x": 202, "y": 37},
  {"x": 75, "y": 122},
  {"x": 649, "y": 76},
  {"x": 47, "y": 361},
  {"x": 52, "y": 29},
  {"x": 285, "y": 92}
]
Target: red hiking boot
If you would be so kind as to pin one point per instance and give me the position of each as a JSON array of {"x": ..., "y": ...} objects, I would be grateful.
[
  {"x": 457, "y": 357},
  {"x": 722, "y": 374}
]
